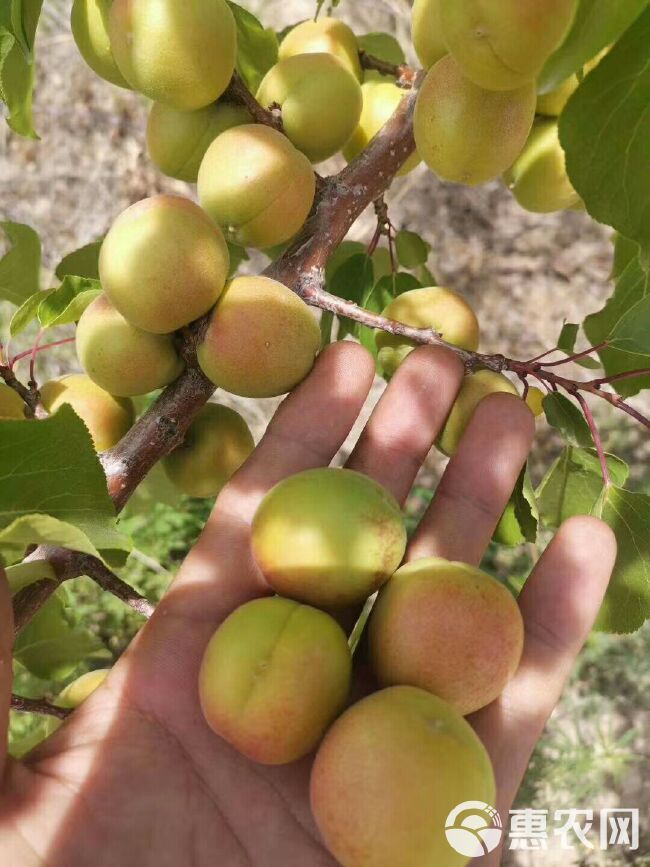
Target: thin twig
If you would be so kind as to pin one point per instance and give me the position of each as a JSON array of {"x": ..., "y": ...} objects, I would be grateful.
[
  {"x": 595, "y": 435},
  {"x": 617, "y": 377},
  {"x": 238, "y": 92},
  {"x": 577, "y": 356},
  {"x": 403, "y": 74},
  {"x": 29, "y": 398},
  {"x": 109, "y": 581},
  {"x": 38, "y": 705},
  {"x": 38, "y": 348}
]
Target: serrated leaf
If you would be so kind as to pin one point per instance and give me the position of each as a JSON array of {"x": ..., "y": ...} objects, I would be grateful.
[
  {"x": 39, "y": 529},
  {"x": 562, "y": 414},
  {"x": 604, "y": 131},
  {"x": 68, "y": 301},
  {"x": 596, "y": 25},
  {"x": 574, "y": 484},
  {"x": 20, "y": 267},
  {"x": 27, "y": 312},
  {"x": 627, "y": 601},
  {"x": 412, "y": 250},
  {"x": 257, "y": 47},
  {"x": 23, "y": 574},
  {"x": 632, "y": 331},
  {"x": 83, "y": 262},
  {"x": 18, "y": 23},
  {"x": 568, "y": 336}
]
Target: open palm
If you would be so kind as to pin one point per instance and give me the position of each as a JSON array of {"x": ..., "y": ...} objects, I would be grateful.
[{"x": 135, "y": 776}]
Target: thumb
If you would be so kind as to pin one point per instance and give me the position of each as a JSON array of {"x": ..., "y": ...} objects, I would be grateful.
[{"x": 6, "y": 673}]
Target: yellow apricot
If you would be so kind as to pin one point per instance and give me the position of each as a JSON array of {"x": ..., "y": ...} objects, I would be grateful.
[
  {"x": 177, "y": 140},
  {"x": 120, "y": 358},
  {"x": 535, "y": 401},
  {"x": 11, "y": 404},
  {"x": 388, "y": 774},
  {"x": 89, "y": 22},
  {"x": 180, "y": 54},
  {"x": 261, "y": 340},
  {"x": 324, "y": 36},
  {"x": 503, "y": 44},
  {"x": 447, "y": 628},
  {"x": 256, "y": 185},
  {"x": 538, "y": 178},
  {"x": 553, "y": 102},
  {"x": 380, "y": 99},
  {"x": 432, "y": 307},
  {"x": 467, "y": 134},
  {"x": 215, "y": 446},
  {"x": 320, "y": 100},
  {"x": 274, "y": 676},
  {"x": 77, "y": 692},
  {"x": 328, "y": 537},
  {"x": 163, "y": 263},
  {"x": 107, "y": 417},
  {"x": 475, "y": 387},
  {"x": 426, "y": 32}
]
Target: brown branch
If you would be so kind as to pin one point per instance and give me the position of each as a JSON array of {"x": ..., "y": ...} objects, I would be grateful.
[
  {"x": 109, "y": 581},
  {"x": 403, "y": 73},
  {"x": 30, "y": 397},
  {"x": 38, "y": 705},
  {"x": 238, "y": 92}
]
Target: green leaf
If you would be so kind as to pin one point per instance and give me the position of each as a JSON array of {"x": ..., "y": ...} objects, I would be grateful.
[
  {"x": 50, "y": 648},
  {"x": 354, "y": 279},
  {"x": 604, "y": 131},
  {"x": 574, "y": 484},
  {"x": 23, "y": 574},
  {"x": 343, "y": 252},
  {"x": 83, "y": 262},
  {"x": 27, "y": 312},
  {"x": 20, "y": 267},
  {"x": 257, "y": 47},
  {"x": 237, "y": 256},
  {"x": 39, "y": 529},
  {"x": 632, "y": 331},
  {"x": 18, "y": 22},
  {"x": 562, "y": 414},
  {"x": 627, "y": 601},
  {"x": 412, "y": 250},
  {"x": 383, "y": 46},
  {"x": 632, "y": 286},
  {"x": 67, "y": 302},
  {"x": 568, "y": 336},
  {"x": 625, "y": 251},
  {"x": 155, "y": 488},
  {"x": 597, "y": 24},
  {"x": 520, "y": 519},
  {"x": 50, "y": 467}
]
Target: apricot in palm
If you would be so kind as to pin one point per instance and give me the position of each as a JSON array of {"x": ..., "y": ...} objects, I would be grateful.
[{"x": 324, "y": 36}]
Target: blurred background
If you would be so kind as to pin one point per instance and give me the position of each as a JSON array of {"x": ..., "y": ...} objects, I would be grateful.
[{"x": 524, "y": 274}]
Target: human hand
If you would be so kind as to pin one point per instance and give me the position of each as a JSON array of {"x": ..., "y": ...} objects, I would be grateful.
[{"x": 136, "y": 777}]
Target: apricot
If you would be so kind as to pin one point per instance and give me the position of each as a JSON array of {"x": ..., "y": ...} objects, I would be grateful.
[
  {"x": 11, "y": 404},
  {"x": 475, "y": 387},
  {"x": 328, "y": 537},
  {"x": 432, "y": 307},
  {"x": 535, "y": 401},
  {"x": 75, "y": 693},
  {"x": 426, "y": 32},
  {"x": 120, "y": 358},
  {"x": 324, "y": 36},
  {"x": 388, "y": 774},
  {"x": 320, "y": 100},
  {"x": 465, "y": 133},
  {"x": 538, "y": 179},
  {"x": 163, "y": 263},
  {"x": 256, "y": 185},
  {"x": 89, "y": 22},
  {"x": 215, "y": 446},
  {"x": 261, "y": 340},
  {"x": 107, "y": 417},
  {"x": 553, "y": 102},
  {"x": 177, "y": 140},
  {"x": 503, "y": 44},
  {"x": 447, "y": 628},
  {"x": 180, "y": 54},
  {"x": 274, "y": 676},
  {"x": 380, "y": 99}
]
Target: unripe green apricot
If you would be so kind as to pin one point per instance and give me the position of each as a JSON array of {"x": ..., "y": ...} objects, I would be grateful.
[
  {"x": 503, "y": 44},
  {"x": 256, "y": 185},
  {"x": 215, "y": 446},
  {"x": 467, "y": 134},
  {"x": 475, "y": 387},
  {"x": 432, "y": 307},
  {"x": 261, "y": 340},
  {"x": 447, "y": 628},
  {"x": 328, "y": 537},
  {"x": 181, "y": 55},
  {"x": 89, "y": 22},
  {"x": 324, "y": 36},
  {"x": 385, "y": 47},
  {"x": 120, "y": 358},
  {"x": 107, "y": 417},
  {"x": 163, "y": 263},
  {"x": 75, "y": 693},
  {"x": 11, "y": 404},
  {"x": 426, "y": 32},
  {"x": 274, "y": 676},
  {"x": 320, "y": 100},
  {"x": 538, "y": 179},
  {"x": 380, "y": 99},
  {"x": 389, "y": 772},
  {"x": 177, "y": 140}
]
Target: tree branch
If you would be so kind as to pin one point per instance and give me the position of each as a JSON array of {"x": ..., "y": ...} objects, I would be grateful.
[
  {"x": 238, "y": 92},
  {"x": 403, "y": 73},
  {"x": 109, "y": 581},
  {"x": 30, "y": 397},
  {"x": 38, "y": 705}
]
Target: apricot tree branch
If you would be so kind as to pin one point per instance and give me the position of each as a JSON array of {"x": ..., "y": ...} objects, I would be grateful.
[
  {"x": 29, "y": 396},
  {"x": 238, "y": 92},
  {"x": 403, "y": 73},
  {"x": 38, "y": 705}
]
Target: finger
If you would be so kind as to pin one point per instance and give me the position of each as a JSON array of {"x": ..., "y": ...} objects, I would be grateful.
[
  {"x": 6, "y": 674},
  {"x": 407, "y": 419},
  {"x": 559, "y": 604},
  {"x": 477, "y": 483}
]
